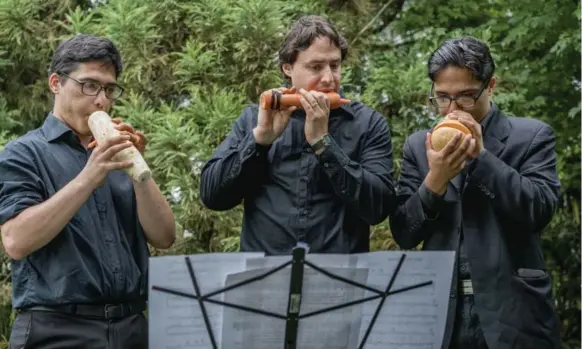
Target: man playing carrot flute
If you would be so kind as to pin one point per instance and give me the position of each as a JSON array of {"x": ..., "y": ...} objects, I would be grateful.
[{"x": 314, "y": 173}]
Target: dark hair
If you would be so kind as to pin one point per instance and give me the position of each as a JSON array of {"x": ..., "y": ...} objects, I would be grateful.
[
  {"x": 302, "y": 34},
  {"x": 465, "y": 52},
  {"x": 84, "y": 48}
]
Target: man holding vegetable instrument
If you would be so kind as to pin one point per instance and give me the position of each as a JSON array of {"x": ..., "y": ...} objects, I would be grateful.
[
  {"x": 75, "y": 225},
  {"x": 310, "y": 174},
  {"x": 488, "y": 194}
]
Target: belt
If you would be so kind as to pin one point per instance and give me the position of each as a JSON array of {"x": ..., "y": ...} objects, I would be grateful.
[
  {"x": 104, "y": 311},
  {"x": 466, "y": 287}
]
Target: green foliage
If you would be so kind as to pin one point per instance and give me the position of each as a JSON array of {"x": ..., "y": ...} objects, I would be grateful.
[{"x": 191, "y": 67}]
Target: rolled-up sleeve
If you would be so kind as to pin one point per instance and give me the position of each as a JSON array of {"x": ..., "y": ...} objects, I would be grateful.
[{"x": 20, "y": 185}]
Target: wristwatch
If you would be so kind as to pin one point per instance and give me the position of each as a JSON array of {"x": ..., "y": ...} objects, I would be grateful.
[{"x": 319, "y": 146}]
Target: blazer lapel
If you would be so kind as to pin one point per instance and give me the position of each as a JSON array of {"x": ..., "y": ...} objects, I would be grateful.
[
  {"x": 493, "y": 145},
  {"x": 496, "y": 132}
]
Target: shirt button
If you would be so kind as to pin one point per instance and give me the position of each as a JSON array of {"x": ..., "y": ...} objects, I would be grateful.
[
  {"x": 305, "y": 178},
  {"x": 326, "y": 165},
  {"x": 249, "y": 151}
]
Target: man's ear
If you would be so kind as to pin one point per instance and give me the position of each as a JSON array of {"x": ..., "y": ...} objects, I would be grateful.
[
  {"x": 492, "y": 85},
  {"x": 287, "y": 69},
  {"x": 54, "y": 83}
]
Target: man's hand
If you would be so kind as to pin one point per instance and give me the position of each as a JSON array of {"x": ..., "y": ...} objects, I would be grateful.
[
  {"x": 475, "y": 128},
  {"x": 272, "y": 123},
  {"x": 102, "y": 161},
  {"x": 317, "y": 107},
  {"x": 136, "y": 137},
  {"x": 444, "y": 165}
]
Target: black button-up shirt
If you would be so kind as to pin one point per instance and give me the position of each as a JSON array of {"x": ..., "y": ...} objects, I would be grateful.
[
  {"x": 292, "y": 195},
  {"x": 101, "y": 256}
]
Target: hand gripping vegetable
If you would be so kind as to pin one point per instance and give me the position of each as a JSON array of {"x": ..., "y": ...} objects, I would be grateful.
[{"x": 103, "y": 128}]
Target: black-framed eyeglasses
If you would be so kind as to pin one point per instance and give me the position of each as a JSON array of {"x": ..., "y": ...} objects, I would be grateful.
[
  {"x": 93, "y": 88},
  {"x": 462, "y": 101}
]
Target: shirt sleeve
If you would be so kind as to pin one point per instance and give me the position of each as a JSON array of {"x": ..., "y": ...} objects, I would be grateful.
[
  {"x": 237, "y": 167},
  {"x": 368, "y": 185},
  {"x": 20, "y": 184}
]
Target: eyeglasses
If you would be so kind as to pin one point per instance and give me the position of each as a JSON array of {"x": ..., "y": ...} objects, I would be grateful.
[
  {"x": 462, "y": 101},
  {"x": 92, "y": 88}
]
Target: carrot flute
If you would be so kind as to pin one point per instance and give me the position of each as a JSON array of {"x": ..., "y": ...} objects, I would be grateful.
[{"x": 275, "y": 100}]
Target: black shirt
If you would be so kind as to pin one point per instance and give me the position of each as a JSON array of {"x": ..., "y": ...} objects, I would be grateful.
[
  {"x": 101, "y": 256},
  {"x": 292, "y": 195}
]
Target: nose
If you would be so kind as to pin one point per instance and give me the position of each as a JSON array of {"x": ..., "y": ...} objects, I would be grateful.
[
  {"x": 453, "y": 106},
  {"x": 327, "y": 77},
  {"x": 101, "y": 100}
]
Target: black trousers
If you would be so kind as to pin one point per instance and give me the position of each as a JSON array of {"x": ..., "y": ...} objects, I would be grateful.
[
  {"x": 51, "y": 330},
  {"x": 467, "y": 333}
]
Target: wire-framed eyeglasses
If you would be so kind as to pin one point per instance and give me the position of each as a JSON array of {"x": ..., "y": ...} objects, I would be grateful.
[
  {"x": 463, "y": 101},
  {"x": 93, "y": 88}
]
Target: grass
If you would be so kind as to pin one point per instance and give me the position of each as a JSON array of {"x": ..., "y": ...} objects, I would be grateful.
[{"x": 6, "y": 315}]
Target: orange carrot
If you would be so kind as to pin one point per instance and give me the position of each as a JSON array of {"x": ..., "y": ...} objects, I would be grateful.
[{"x": 275, "y": 100}]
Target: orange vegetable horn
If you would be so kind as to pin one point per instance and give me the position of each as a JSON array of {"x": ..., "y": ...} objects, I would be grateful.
[{"x": 275, "y": 100}]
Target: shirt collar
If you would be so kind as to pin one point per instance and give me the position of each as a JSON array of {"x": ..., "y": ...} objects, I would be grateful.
[
  {"x": 53, "y": 128},
  {"x": 346, "y": 107}
]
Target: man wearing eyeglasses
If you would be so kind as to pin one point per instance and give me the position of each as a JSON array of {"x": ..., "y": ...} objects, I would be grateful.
[
  {"x": 74, "y": 224},
  {"x": 487, "y": 196}
]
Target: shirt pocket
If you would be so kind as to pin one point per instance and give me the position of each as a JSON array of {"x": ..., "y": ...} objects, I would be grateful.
[
  {"x": 347, "y": 135},
  {"x": 286, "y": 161}
]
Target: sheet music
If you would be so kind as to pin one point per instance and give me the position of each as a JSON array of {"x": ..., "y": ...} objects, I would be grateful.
[
  {"x": 320, "y": 260},
  {"x": 336, "y": 330},
  {"x": 176, "y": 322},
  {"x": 414, "y": 319}
]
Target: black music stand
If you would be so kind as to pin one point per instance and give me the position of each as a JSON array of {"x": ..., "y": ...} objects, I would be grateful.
[{"x": 293, "y": 315}]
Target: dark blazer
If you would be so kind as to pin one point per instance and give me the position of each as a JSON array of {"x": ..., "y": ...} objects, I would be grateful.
[{"x": 508, "y": 196}]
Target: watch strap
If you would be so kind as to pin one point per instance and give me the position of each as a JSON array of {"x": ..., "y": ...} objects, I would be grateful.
[{"x": 324, "y": 142}]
